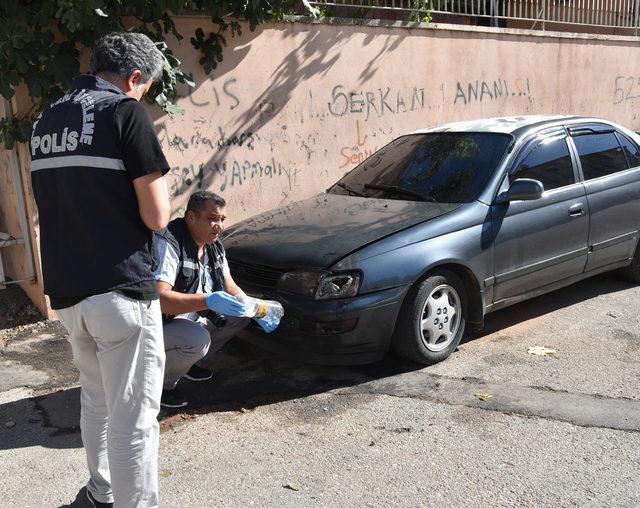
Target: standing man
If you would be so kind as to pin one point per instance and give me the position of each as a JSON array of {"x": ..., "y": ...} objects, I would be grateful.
[
  {"x": 194, "y": 279},
  {"x": 97, "y": 172}
]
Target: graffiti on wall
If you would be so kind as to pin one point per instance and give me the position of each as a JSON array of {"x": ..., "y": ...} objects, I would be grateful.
[
  {"x": 224, "y": 96},
  {"x": 224, "y": 174},
  {"x": 470, "y": 92},
  {"x": 197, "y": 140},
  {"x": 626, "y": 88},
  {"x": 367, "y": 103},
  {"x": 352, "y": 155},
  {"x": 230, "y": 164}
]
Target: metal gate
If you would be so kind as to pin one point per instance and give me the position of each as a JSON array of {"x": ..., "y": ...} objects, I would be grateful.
[{"x": 621, "y": 17}]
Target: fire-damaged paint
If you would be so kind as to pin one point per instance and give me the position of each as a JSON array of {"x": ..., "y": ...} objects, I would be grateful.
[{"x": 317, "y": 232}]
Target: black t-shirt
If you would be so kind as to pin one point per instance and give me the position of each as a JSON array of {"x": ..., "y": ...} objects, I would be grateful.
[{"x": 141, "y": 154}]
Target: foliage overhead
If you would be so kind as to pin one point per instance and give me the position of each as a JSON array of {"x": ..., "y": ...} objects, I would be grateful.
[{"x": 41, "y": 42}]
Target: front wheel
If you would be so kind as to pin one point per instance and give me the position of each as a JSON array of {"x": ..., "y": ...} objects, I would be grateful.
[{"x": 432, "y": 319}]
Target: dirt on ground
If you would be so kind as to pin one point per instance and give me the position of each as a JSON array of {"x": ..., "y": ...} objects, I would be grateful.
[
  {"x": 28, "y": 339},
  {"x": 16, "y": 309}
]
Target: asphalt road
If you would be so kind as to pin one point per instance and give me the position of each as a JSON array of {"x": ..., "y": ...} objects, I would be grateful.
[{"x": 491, "y": 426}]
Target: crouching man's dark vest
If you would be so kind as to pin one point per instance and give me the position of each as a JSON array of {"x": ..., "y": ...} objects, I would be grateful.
[{"x": 188, "y": 275}]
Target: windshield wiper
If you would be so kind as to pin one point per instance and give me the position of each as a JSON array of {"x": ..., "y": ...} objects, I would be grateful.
[
  {"x": 400, "y": 190},
  {"x": 351, "y": 190}
]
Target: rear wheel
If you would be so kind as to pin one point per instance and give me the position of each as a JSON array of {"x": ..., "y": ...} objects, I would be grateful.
[{"x": 432, "y": 319}]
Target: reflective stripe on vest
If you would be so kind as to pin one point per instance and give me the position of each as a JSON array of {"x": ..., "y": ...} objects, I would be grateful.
[
  {"x": 69, "y": 161},
  {"x": 190, "y": 264}
]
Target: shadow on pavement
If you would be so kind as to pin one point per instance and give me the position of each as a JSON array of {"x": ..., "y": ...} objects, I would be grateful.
[
  {"x": 81, "y": 500},
  {"x": 246, "y": 377}
]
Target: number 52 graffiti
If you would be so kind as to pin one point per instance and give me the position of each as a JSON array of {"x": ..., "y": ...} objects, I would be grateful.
[{"x": 626, "y": 89}]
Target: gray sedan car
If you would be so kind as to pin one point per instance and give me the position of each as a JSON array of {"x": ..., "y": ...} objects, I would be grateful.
[{"x": 439, "y": 228}]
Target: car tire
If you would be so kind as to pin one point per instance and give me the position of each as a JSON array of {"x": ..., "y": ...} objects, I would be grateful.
[
  {"x": 425, "y": 332},
  {"x": 632, "y": 272}
]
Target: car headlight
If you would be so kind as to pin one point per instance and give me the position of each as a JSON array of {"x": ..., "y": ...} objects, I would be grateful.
[
  {"x": 339, "y": 285},
  {"x": 321, "y": 285},
  {"x": 300, "y": 283}
]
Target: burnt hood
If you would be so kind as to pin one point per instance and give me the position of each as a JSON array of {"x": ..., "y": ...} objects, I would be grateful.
[{"x": 315, "y": 233}]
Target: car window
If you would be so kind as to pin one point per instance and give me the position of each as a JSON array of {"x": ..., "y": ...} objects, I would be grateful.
[
  {"x": 548, "y": 161},
  {"x": 445, "y": 167},
  {"x": 630, "y": 150},
  {"x": 600, "y": 154}
]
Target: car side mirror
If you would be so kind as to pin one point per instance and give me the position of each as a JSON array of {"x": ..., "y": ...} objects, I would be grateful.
[{"x": 523, "y": 189}]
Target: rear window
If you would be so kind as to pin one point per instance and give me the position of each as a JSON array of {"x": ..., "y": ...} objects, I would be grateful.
[
  {"x": 600, "y": 154},
  {"x": 444, "y": 167},
  {"x": 630, "y": 150}
]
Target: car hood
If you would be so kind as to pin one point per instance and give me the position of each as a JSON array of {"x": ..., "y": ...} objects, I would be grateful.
[{"x": 317, "y": 232}]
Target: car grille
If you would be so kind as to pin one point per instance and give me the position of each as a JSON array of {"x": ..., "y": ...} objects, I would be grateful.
[{"x": 254, "y": 275}]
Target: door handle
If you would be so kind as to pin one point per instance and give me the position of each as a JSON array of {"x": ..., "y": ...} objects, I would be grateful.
[{"x": 576, "y": 210}]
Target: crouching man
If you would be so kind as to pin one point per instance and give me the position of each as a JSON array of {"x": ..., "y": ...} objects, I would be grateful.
[{"x": 197, "y": 294}]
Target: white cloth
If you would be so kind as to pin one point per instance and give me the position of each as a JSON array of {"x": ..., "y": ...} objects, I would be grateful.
[
  {"x": 118, "y": 348},
  {"x": 167, "y": 271}
]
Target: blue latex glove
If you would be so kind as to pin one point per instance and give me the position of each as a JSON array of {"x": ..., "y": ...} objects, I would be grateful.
[
  {"x": 225, "y": 304},
  {"x": 267, "y": 326}
]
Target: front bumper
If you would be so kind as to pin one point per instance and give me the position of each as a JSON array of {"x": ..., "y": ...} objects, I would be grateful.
[{"x": 349, "y": 331}]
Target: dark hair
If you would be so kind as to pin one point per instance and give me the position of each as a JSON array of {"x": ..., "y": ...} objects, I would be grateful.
[
  {"x": 199, "y": 198},
  {"x": 121, "y": 53}
]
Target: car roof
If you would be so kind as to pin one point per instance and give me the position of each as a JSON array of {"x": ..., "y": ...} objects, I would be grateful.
[{"x": 506, "y": 124}]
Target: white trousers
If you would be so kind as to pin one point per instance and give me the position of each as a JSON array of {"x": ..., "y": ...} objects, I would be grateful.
[{"x": 118, "y": 348}]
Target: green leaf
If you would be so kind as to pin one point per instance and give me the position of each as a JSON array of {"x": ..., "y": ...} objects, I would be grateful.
[
  {"x": 172, "y": 109},
  {"x": 31, "y": 55},
  {"x": 8, "y": 140},
  {"x": 5, "y": 90},
  {"x": 184, "y": 78}
]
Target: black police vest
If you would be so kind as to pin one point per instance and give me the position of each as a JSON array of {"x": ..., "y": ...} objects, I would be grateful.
[
  {"x": 92, "y": 237},
  {"x": 188, "y": 273}
]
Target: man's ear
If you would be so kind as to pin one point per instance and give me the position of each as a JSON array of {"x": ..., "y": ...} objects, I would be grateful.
[
  {"x": 133, "y": 81},
  {"x": 189, "y": 216}
]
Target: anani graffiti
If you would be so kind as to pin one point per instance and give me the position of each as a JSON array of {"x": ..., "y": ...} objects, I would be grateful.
[{"x": 481, "y": 90}]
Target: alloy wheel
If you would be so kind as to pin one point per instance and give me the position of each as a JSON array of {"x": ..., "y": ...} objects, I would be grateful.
[{"x": 440, "y": 317}]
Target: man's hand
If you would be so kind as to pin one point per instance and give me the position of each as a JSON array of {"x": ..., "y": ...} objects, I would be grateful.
[{"x": 223, "y": 303}]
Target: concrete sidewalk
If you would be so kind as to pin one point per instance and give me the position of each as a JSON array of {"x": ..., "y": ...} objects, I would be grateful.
[{"x": 555, "y": 431}]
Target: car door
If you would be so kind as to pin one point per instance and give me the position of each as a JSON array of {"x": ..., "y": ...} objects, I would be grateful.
[
  {"x": 610, "y": 165},
  {"x": 541, "y": 241}
]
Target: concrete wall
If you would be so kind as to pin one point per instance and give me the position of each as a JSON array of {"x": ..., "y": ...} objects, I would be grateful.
[{"x": 294, "y": 106}]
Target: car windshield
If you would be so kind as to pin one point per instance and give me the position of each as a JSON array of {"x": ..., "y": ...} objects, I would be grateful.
[{"x": 443, "y": 167}]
